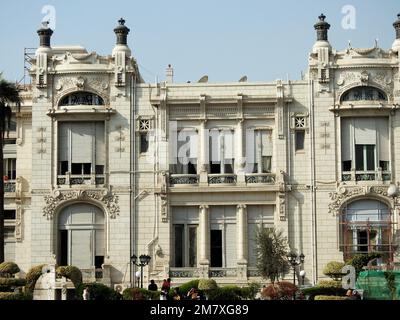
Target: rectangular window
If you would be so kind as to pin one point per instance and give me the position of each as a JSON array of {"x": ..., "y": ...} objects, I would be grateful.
[
  {"x": 384, "y": 165},
  {"x": 365, "y": 157},
  {"x": 179, "y": 245},
  {"x": 9, "y": 214},
  {"x": 347, "y": 165},
  {"x": 262, "y": 151},
  {"x": 144, "y": 142},
  {"x": 81, "y": 147},
  {"x": 9, "y": 167},
  {"x": 183, "y": 151},
  {"x": 216, "y": 248},
  {"x": 221, "y": 151},
  {"x": 192, "y": 233},
  {"x": 299, "y": 140}
]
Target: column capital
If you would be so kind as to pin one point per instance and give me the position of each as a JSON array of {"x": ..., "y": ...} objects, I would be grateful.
[
  {"x": 241, "y": 206},
  {"x": 204, "y": 207}
]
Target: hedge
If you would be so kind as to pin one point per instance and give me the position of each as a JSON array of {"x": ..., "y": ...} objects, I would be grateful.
[
  {"x": 328, "y": 291},
  {"x": 97, "y": 291},
  {"x": 207, "y": 284},
  {"x": 321, "y": 297},
  {"x": 185, "y": 287},
  {"x": 12, "y": 282},
  {"x": 224, "y": 293},
  {"x": 7, "y": 269},
  {"x": 15, "y": 296},
  {"x": 71, "y": 272},
  {"x": 140, "y": 294},
  {"x": 32, "y": 276},
  {"x": 330, "y": 284}
]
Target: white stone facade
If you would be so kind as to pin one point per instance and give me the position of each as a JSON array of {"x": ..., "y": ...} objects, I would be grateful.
[{"x": 192, "y": 221}]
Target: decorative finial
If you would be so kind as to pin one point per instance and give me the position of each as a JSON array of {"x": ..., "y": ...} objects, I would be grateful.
[
  {"x": 322, "y": 17},
  {"x": 45, "y": 24},
  {"x": 121, "y": 22},
  {"x": 169, "y": 66},
  {"x": 322, "y": 28}
]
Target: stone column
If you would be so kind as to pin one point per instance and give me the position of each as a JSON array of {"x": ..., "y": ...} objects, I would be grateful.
[
  {"x": 241, "y": 242},
  {"x": 240, "y": 160},
  {"x": 204, "y": 227},
  {"x": 203, "y": 136}
]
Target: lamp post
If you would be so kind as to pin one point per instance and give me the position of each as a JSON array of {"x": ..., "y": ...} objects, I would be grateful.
[
  {"x": 294, "y": 261},
  {"x": 144, "y": 260}
]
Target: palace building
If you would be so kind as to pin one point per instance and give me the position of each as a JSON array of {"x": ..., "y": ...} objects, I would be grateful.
[{"x": 101, "y": 166}]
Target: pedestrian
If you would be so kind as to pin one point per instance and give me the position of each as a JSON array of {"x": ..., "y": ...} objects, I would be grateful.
[
  {"x": 86, "y": 294},
  {"x": 152, "y": 286},
  {"x": 166, "y": 285},
  {"x": 176, "y": 295},
  {"x": 193, "y": 294}
]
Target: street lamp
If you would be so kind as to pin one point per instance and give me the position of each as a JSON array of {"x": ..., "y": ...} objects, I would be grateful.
[
  {"x": 294, "y": 261},
  {"x": 144, "y": 260}
]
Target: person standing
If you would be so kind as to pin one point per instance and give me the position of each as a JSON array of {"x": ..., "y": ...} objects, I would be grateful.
[{"x": 152, "y": 286}]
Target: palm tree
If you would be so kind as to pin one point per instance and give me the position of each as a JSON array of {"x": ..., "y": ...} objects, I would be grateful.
[{"x": 8, "y": 94}]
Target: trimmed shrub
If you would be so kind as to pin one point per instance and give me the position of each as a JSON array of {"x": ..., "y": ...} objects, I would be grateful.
[
  {"x": 207, "y": 284},
  {"x": 97, "y": 291},
  {"x": 334, "y": 269},
  {"x": 15, "y": 296},
  {"x": 224, "y": 293},
  {"x": 12, "y": 282},
  {"x": 185, "y": 287},
  {"x": 361, "y": 260},
  {"x": 140, "y": 294},
  {"x": 328, "y": 291},
  {"x": 71, "y": 272},
  {"x": 32, "y": 276},
  {"x": 7, "y": 269},
  {"x": 330, "y": 284},
  {"x": 321, "y": 297},
  {"x": 283, "y": 290},
  {"x": 250, "y": 291}
]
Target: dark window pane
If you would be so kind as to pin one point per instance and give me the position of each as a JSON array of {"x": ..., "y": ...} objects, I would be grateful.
[
  {"x": 179, "y": 238},
  {"x": 76, "y": 168},
  {"x": 384, "y": 165},
  {"x": 63, "y": 257},
  {"x": 370, "y": 152},
  {"x": 63, "y": 167},
  {"x": 87, "y": 168},
  {"x": 229, "y": 167},
  {"x": 192, "y": 246},
  {"x": 216, "y": 248},
  {"x": 98, "y": 261},
  {"x": 99, "y": 169},
  {"x": 192, "y": 168},
  {"x": 359, "y": 157},
  {"x": 9, "y": 214},
  {"x": 215, "y": 168},
  {"x": 300, "y": 134},
  {"x": 347, "y": 165},
  {"x": 144, "y": 143}
]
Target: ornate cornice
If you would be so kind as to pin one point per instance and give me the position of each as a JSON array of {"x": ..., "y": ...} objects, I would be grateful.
[
  {"x": 345, "y": 194},
  {"x": 108, "y": 200}
]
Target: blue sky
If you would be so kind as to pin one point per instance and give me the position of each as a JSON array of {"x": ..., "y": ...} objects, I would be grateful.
[{"x": 264, "y": 40}]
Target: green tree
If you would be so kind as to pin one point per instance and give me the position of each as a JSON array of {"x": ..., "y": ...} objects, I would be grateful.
[
  {"x": 272, "y": 250},
  {"x": 8, "y": 94}
]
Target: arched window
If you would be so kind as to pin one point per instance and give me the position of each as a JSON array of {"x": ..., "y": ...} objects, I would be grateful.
[
  {"x": 82, "y": 98},
  {"x": 364, "y": 93},
  {"x": 366, "y": 228},
  {"x": 81, "y": 237}
]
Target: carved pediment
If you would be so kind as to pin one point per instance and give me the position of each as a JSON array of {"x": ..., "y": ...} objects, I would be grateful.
[{"x": 108, "y": 200}]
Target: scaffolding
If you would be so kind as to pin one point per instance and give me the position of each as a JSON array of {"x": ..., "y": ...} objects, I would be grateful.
[
  {"x": 29, "y": 54},
  {"x": 365, "y": 231}
]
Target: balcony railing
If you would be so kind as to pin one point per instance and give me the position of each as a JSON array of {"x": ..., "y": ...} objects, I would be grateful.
[
  {"x": 184, "y": 273},
  {"x": 260, "y": 178},
  {"x": 73, "y": 179},
  {"x": 221, "y": 178},
  {"x": 9, "y": 186},
  {"x": 222, "y": 272},
  {"x": 175, "y": 179},
  {"x": 378, "y": 175}
]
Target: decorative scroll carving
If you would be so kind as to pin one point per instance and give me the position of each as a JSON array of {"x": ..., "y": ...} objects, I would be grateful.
[
  {"x": 344, "y": 194},
  {"x": 18, "y": 221},
  {"x": 107, "y": 199}
]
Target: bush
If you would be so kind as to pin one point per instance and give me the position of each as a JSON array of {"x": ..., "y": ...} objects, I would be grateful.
[
  {"x": 97, "y": 291},
  {"x": 330, "y": 284},
  {"x": 321, "y": 297},
  {"x": 283, "y": 290},
  {"x": 361, "y": 260},
  {"x": 140, "y": 294},
  {"x": 250, "y": 291},
  {"x": 12, "y": 282},
  {"x": 185, "y": 287},
  {"x": 7, "y": 269},
  {"x": 71, "y": 272},
  {"x": 333, "y": 269},
  {"x": 224, "y": 293},
  {"x": 207, "y": 284},
  {"x": 32, "y": 276},
  {"x": 327, "y": 291},
  {"x": 15, "y": 296}
]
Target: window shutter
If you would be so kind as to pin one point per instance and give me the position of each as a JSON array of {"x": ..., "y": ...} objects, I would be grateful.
[
  {"x": 99, "y": 243},
  {"x": 82, "y": 142},
  {"x": 215, "y": 146},
  {"x": 365, "y": 131},
  {"x": 100, "y": 144},
  {"x": 346, "y": 139},
  {"x": 266, "y": 143},
  {"x": 229, "y": 144},
  {"x": 382, "y": 128},
  {"x": 230, "y": 245},
  {"x": 63, "y": 141}
]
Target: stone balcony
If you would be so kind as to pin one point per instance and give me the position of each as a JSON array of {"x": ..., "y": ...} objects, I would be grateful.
[
  {"x": 80, "y": 179},
  {"x": 377, "y": 175},
  {"x": 10, "y": 186}
]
